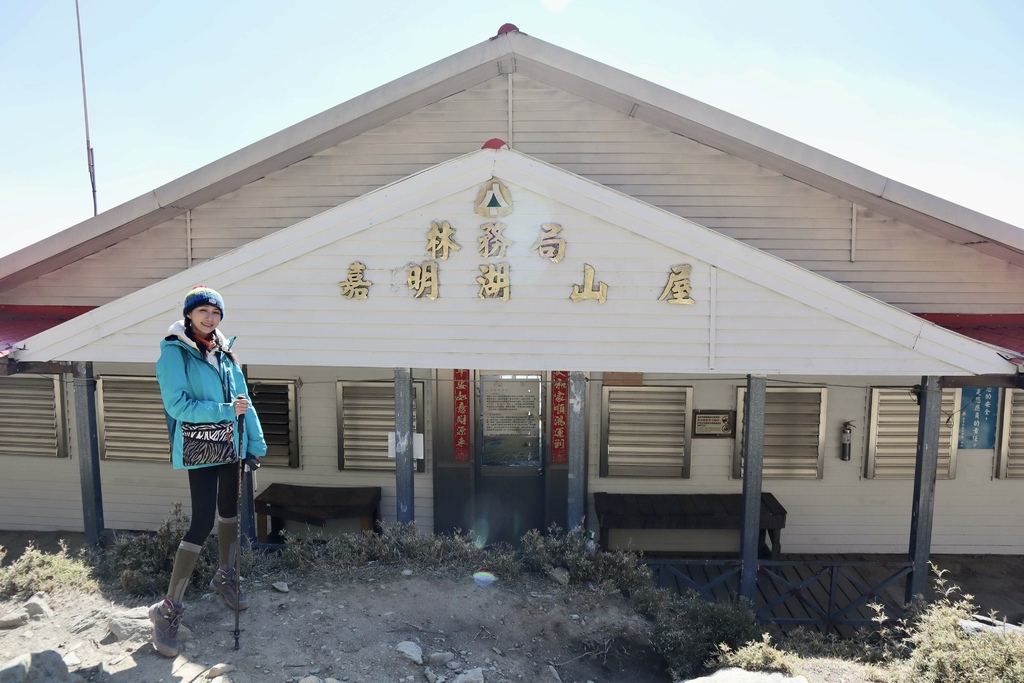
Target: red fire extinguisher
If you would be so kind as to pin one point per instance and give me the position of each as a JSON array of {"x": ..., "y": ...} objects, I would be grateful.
[{"x": 845, "y": 439}]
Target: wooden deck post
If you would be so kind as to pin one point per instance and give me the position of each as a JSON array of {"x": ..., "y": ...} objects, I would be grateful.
[
  {"x": 577, "y": 455},
  {"x": 930, "y": 401},
  {"x": 753, "y": 459},
  {"x": 404, "y": 455},
  {"x": 86, "y": 432}
]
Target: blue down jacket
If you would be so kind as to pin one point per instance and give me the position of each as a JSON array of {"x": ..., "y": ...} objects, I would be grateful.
[{"x": 196, "y": 391}]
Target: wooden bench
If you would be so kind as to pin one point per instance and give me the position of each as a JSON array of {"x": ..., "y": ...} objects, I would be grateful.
[
  {"x": 687, "y": 511},
  {"x": 314, "y": 505}
]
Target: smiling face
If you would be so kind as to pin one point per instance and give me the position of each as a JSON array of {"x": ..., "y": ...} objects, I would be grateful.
[{"x": 204, "y": 320}]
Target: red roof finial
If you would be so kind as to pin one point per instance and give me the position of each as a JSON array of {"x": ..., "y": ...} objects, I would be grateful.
[
  {"x": 495, "y": 143},
  {"x": 507, "y": 28}
]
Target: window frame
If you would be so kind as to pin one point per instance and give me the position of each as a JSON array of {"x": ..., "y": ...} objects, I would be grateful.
[
  {"x": 418, "y": 390},
  {"x": 60, "y": 432},
  {"x": 293, "y": 459},
  {"x": 1007, "y": 466},
  {"x": 150, "y": 420},
  {"x": 738, "y": 456},
  {"x": 875, "y": 395},
  {"x": 686, "y": 418}
]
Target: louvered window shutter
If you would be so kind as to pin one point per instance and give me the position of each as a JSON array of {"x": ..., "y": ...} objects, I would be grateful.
[
  {"x": 276, "y": 403},
  {"x": 892, "y": 443},
  {"x": 366, "y": 414},
  {"x": 132, "y": 422},
  {"x": 644, "y": 431},
  {"x": 794, "y": 433},
  {"x": 33, "y": 416},
  {"x": 1011, "y": 436}
]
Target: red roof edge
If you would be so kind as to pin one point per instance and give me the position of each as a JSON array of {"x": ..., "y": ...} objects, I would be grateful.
[
  {"x": 973, "y": 318},
  {"x": 18, "y": 323},
  {"x": 1000, "y": 329}
]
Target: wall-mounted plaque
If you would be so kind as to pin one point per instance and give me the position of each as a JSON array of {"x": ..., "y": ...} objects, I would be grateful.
[
  {"x": 714, "y": 424},
  {"x": 623, "y": 379}
]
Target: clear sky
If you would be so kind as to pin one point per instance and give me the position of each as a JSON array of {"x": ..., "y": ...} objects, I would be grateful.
[{"x": 929, "y": 93}]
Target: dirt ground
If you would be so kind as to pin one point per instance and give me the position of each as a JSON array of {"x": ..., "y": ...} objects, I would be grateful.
[{"x": 350, "y": 629}]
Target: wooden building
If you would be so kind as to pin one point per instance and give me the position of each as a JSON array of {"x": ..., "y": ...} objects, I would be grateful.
[{"x": 580, "y": 271}]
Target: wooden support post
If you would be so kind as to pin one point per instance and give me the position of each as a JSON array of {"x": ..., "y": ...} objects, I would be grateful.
[
  {"x": 577, "y": 437},
  {"x": 753, "y": 459},
  {"x": 86, "y": 433},
  {"x": 930, "y": 401},
  {"x": 404, "y": 455}
]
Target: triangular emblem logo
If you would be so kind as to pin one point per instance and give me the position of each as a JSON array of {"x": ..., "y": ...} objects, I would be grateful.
[{"x": 493, "y": 200}]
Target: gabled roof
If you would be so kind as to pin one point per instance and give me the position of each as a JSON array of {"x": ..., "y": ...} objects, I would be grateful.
[
  {"x": 507, "y": 52},
  {"x": 899, "y": 340}
]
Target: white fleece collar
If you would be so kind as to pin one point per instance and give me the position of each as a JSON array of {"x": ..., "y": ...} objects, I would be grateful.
[{"x": 178, "y": 330}]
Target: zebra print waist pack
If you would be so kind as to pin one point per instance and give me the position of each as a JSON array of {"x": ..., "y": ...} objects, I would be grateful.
[{"x": 207, "y": 444}]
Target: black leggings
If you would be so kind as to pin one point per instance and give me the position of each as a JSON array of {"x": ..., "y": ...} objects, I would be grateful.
[{"x": 208, "y": 484}]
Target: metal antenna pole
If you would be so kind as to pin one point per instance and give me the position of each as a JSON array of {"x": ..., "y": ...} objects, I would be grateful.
[{"x": 85, "y": 107}]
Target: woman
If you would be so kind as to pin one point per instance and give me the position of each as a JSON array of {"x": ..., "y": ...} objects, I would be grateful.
[{"x": 204, "y": 394}]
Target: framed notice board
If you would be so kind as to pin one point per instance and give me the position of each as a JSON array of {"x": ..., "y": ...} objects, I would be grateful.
[{"x": 714, "y": 424}]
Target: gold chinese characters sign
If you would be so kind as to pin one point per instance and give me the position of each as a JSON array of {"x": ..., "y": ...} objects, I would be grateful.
[{"x": 495, "y": 275}]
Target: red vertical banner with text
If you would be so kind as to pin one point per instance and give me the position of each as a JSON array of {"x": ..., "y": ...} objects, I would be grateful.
[
  {"x": 461, "y": 396},
  {"x": 559, "y": 417}
]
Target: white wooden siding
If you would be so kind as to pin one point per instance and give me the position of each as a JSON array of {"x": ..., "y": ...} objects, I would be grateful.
[
  {"x": 452, "y": 127},
  {"x": 449, "y": 128},
  {"x": 43, "y": 494},
  {"x": 130, "y": 265},
  {"x": 632, "y": 331},
  {"x": 896, "y": 263}
]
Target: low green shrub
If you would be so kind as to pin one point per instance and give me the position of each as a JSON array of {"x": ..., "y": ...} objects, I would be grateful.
[
  {"x": 805, "y": 643},
  {"x": 758, "y": 655},
  {"x": 941, "y": 651},
  {"x": 37, "y": 571},
  {"x": 396, "y": 543},
  {"x": 622, "y": 570},
  {"x": 542, "y": 552},
  {"x": 928, "y": 645},
  {"x": 689, "y": 630}
]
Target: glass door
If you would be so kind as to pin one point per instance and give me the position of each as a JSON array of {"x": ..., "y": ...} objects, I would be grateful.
[{"x": 510, "y": 455}]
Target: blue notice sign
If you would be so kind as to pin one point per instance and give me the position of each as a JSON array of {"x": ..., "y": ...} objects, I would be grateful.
[{"x": 979, "y": 407}]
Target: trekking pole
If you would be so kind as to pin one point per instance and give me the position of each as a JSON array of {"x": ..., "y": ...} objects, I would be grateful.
[{"x": 238, "y": 514}]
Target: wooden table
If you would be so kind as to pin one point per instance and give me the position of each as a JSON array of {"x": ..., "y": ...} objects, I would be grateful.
[
  {"x": 314, "y": 505},
  {"x": 687, "y": 511}
]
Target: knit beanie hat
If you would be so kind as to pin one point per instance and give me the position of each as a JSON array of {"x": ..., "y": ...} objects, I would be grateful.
[{"x": 201, "y": 295}]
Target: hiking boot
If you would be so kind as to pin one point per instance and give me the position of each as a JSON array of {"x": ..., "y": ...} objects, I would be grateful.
[
  {"x": 224, "y": 585},
  {"x": 166, "y": 618}
]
